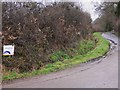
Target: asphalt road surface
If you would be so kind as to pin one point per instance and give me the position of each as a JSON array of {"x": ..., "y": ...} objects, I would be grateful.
[{"x": 102, "y": 73}]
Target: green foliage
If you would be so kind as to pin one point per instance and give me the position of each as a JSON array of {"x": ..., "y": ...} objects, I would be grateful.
[
  {"x": 82, "y": 48},
  {"x": 85, "y": 46},
  {"x": 58, "y": 56}
]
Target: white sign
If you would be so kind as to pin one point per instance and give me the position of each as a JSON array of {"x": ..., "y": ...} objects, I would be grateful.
[{"x": 8, "y": 50}]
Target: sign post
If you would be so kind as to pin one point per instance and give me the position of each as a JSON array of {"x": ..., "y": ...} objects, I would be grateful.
[{"x": 8, "y": 50}]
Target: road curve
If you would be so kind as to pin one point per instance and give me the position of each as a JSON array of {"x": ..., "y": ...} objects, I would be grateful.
[{"x": 98, "y": 74}]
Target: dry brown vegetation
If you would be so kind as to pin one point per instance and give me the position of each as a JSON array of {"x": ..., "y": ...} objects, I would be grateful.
[{"x": 38, "y": 30}]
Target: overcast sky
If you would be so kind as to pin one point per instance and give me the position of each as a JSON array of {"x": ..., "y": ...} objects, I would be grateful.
[{"x": 88, "y": 6}]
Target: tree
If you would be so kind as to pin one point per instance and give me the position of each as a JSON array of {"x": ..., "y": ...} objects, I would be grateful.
[{"x": 107, "y": 18}]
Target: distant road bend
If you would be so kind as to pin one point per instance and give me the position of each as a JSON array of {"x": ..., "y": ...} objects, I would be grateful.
[{"x": 99, "y": 74}]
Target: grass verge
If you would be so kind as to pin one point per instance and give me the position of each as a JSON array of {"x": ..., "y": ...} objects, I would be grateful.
[{"x": 101, "y": 48}]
